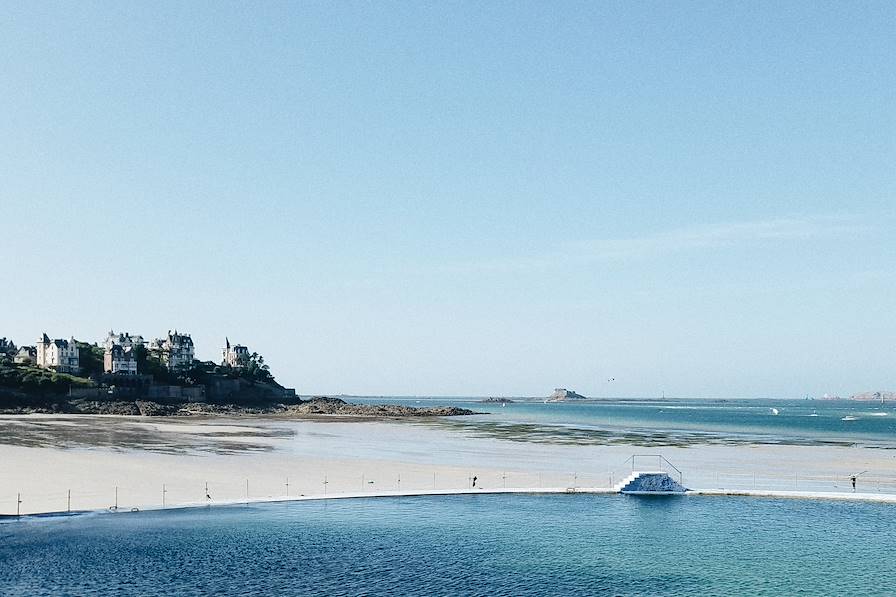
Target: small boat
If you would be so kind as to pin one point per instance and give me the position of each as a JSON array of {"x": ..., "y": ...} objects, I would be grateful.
[
  {"x": 774, "y": 411},
  {"x": 849, "y": 418}
]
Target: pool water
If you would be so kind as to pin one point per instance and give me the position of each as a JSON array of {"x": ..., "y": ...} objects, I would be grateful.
[{"x": 463, "y": 545}]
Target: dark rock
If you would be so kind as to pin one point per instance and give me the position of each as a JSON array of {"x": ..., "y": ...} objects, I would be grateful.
[
  {"x": 154, "y": 409},
  {"x": 317, "y": 406},
  {"x": 335, "y": 406},
  {"x": 104, "y": 407}
]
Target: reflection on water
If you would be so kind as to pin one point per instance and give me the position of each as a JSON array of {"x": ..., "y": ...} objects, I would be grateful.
[{"x": 171, "y": 436}]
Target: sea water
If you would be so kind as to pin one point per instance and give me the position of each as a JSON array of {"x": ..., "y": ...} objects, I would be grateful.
[
  {"x": 463, "y": 545},
  {"x": 676, "y": 421}
]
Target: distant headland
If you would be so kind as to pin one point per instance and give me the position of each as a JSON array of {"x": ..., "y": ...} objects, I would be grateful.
[
  {"x": 127, "y": 375},
  {"x": 875, "y": 396}
]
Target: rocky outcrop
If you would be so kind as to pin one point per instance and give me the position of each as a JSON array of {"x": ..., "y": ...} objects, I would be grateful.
[
  {"x": 154, "y": 409},
  {"x": 561, "y": 394},
  {"x": 104, "y": 407},
  {"x": 497, "y": 401},
  {"x": 335, "y": 406},
  {"x": 874, "y": 396},
  {"x": 318, "y": 406}
]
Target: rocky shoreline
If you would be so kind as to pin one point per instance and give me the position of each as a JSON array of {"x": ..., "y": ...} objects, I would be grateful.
[{"x": 317, "y": 406}]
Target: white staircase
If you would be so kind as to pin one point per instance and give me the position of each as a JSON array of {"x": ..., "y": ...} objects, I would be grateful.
[{"x": 622, "y": 484}]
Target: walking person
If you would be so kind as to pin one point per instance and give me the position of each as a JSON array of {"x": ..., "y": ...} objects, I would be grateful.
[
  {"x": 853, "y": 479},
  {"x": 474, "y": 481}
]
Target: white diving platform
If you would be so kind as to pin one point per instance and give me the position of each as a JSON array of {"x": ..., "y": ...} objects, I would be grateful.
[{"x": 650, "y": 483}]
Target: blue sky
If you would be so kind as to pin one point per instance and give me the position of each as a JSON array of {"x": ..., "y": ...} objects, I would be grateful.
[{"x": 455, "y": 198}]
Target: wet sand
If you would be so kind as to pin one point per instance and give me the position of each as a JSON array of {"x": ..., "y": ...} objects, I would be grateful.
[{"x": 43, "y": 457}]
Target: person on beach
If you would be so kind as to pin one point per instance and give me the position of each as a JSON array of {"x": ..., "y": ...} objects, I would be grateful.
[
  {"x": 474, "y": 480},
  {"x": 853, "y": 479}
]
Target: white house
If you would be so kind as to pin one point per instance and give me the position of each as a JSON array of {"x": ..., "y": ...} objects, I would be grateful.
[
  {"x": 26, "y": 354},
  {"x": 235, "y": 355},
  {"x": 175, "y": 351},
  {"x": 122, "y": 339},
  {"x": 61, "y": 355}
]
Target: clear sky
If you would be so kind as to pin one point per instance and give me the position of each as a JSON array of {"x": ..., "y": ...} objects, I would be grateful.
[{"x": 462, "y": 198}]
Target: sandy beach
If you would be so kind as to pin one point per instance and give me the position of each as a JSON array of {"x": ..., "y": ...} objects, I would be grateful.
[{"x": 53, "y": 463}]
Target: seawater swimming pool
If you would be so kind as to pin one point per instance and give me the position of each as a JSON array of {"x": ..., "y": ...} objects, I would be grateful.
[{"x": 463, "y": 545}]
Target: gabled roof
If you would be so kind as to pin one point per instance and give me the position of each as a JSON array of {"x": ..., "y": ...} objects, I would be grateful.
[{"x": 121, "y": 352}]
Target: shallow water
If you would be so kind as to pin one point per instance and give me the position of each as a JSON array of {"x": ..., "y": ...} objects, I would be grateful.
[
  {"x": 646, "y": 423},
  {"x": 463, "y": 545},
  {"x": 677, "y": 422}
]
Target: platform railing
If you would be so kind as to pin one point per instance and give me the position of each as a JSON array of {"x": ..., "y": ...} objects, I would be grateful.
[{"x": 662, "y": 464}]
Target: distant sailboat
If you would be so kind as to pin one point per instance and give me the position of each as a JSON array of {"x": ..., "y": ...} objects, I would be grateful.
[{"x": 774, "y": 411}]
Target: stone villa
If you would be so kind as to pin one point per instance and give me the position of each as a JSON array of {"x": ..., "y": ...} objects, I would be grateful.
[
  {"x": 175, "y": 351},
  {"x": 120, "y": 360},
  {"x": 59, "y": 355},
  {"x": 122, "y": 339},
  {"x": 120, "y": 356},
  {"x": 235, "y": 355}
]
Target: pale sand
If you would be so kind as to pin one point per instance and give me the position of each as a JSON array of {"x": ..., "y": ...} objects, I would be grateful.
[{"x": 42, "y": 458}]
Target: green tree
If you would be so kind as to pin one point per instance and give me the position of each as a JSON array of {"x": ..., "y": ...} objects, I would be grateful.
[
  {"x": 255, "y": 369},
  {"x": 8, "y": 347},
  {"x": 91, "y": 359}
]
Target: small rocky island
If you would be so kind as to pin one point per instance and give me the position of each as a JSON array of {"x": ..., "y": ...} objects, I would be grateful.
[
  {"x": 496, "y": 401},
  {"x": 562, "y": 395}
]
